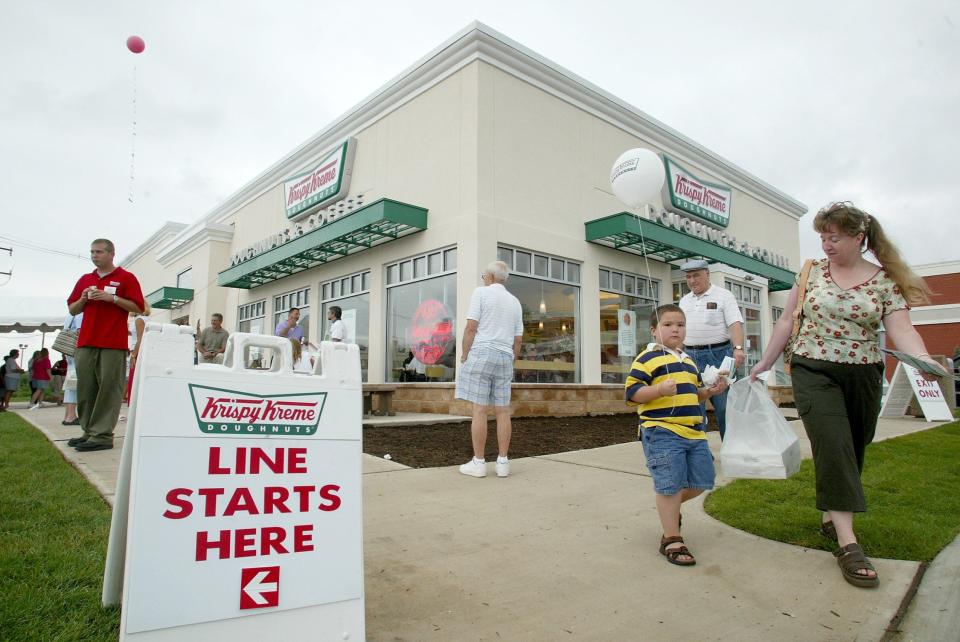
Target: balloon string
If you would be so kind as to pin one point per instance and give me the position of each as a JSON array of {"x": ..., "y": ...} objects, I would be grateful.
[
  {"x": 133, "y": 136},
  {"x": 646, "y": 260}
]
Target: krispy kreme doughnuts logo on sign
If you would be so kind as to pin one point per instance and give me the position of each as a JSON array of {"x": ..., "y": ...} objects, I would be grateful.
[
  {"x": 234, "y": 412},
  {"x": 326, "y": 182},
  {"x": 688, "y": 194}
]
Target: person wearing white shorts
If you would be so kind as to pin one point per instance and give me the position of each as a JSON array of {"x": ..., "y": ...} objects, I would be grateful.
[{"x": 491, "y": 343}]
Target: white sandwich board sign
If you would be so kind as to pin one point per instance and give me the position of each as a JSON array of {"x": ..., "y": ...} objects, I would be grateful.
[
  {"x": 906, "y": 384},
  {"x": 238, "y": 509}
]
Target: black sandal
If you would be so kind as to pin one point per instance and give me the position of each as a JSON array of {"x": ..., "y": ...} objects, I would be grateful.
[
  {"x": 828, "y": 530},
  {"x": 674, "y": 553},
  {"x": 851, "y": 559}
]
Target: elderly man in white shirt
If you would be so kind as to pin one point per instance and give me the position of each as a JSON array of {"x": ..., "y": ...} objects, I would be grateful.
[
  {"x": 714, "y": 328},
  {"x": 491, "y": 343}
]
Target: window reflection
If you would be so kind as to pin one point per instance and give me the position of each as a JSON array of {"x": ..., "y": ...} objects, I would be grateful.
[
  {"x": 621, "y": 342},
  {"x": 356, "y": 318},
  {"x": 421, "y": 330},
  {"x": 550, "y": 349}
]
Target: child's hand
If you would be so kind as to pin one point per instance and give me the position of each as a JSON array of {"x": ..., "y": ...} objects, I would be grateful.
[
  {"x": 667, "y": 388},
  {"x": 719, "y": 387}
]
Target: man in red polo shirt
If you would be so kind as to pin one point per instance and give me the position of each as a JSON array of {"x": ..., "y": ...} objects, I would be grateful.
[{"x": 105, "y": 296}]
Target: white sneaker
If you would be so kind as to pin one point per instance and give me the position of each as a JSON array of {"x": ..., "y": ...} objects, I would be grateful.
[
  {"x": 503, "y": 470},
  {"x": 474, "y": 469},
  {"x": 34, "y": 406}
]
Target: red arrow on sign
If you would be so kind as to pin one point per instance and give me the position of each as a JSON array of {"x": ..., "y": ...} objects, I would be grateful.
[{"x": 259, "y": 587}]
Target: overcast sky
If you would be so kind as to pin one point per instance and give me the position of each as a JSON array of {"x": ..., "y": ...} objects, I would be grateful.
[{"x": 825, "y": 101}]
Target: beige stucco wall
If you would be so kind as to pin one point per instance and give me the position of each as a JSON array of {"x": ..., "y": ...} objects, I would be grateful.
[
  {"x": 422, "y": 154},
  {"x": 544, "y": 171}
]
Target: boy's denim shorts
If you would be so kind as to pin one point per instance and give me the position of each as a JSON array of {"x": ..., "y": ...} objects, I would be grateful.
[{"x": 676, "y": 463}]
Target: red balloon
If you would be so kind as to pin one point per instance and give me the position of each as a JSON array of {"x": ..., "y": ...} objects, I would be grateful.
[{"x": 136, "y": 44}]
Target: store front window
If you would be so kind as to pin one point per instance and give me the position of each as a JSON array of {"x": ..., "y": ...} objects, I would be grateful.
[
  {"x": 421, "y": 318},
  {"x": 297, "y": 299},
  {"x": 748, "y": 298},
  {"x": 624, "y": 321},
  {"x": 251, "y": 318},
  {"x": 185, "y": 279},
  {"x": 549, "y": 293},
  {"x": 353, "y": 299}
]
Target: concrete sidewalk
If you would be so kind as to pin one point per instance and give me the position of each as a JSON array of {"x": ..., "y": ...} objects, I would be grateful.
[{"x": 566, "y": 547}]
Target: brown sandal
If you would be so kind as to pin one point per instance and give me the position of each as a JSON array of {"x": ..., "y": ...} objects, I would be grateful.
[
  {"x": 851, "y": 559},
  {"x": 828, "y": 530},
  {"x": 674, "y": 553}
]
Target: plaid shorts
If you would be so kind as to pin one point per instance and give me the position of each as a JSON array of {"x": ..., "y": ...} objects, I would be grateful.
[{"x": 485, "y": 377}]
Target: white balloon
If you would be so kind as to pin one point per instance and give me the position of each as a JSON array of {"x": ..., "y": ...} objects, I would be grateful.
[{"x": 637, "y": 177}]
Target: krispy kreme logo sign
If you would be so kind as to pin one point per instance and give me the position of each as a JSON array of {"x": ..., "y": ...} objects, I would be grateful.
[
  {"x": 326, "y": 182},
  {"x": 234, "y": 412},
  {"x": 689, "y": 194}
]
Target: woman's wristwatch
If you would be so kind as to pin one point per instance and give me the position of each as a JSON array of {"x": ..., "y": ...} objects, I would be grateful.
[{"x": 738, "y": 347}]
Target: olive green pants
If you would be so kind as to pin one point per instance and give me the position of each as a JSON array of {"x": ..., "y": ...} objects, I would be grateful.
[
  {"x": 839, "y": 404},
  {"x": 101, "y": 379}
]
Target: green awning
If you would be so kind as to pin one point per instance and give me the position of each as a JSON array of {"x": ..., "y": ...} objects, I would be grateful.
[
  {"x": 377, "y": 223},
  {"x": 626, "y": 232},
  {"x": 168, "y": 298}
]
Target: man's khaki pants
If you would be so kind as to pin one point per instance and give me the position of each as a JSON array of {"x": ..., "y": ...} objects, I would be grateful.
[{"x": 100, "y": 387}]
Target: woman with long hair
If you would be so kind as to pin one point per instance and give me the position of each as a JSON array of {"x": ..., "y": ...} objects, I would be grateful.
[
  {"x": 137, "y": 324},
  {"x": 837, "y": 366}
]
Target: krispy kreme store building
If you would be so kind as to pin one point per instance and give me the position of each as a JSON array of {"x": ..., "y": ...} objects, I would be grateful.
[{"x": 481, "y": 150}]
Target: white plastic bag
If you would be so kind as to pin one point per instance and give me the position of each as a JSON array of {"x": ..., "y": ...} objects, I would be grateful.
[{"x": 759, "y": 443}]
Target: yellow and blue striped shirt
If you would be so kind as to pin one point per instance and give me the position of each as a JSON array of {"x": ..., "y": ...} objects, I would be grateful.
[{"x": 679, "y": 413}]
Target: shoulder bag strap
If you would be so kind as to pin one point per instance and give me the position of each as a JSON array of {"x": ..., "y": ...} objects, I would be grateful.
[{"x": 801, "y": 295}]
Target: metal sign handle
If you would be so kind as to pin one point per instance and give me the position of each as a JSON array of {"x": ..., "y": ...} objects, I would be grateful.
[{"x": 239, "y": 342}]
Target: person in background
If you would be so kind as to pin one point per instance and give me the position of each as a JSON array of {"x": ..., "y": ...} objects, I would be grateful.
[
  {"x": 106, "y": 296},
  {"x": 40, "y": 369},
  {"x": 33, "y": 387},
  {"x": 212, "y": 342},
  {"x": 289, "y": 327},
  {"x": 302, "y": 362},
  {"x": 491, "y": 343},
  {"x": 70, "y": 418},
  {"x": 713, "y": 321},
  {"x": 139, "y": 324},
  {"x": 338, "y": 329},
  {"x": 57, "y": 373},
  {"x": 837, "y": 366},
  {"x": 11, "y": 377}
]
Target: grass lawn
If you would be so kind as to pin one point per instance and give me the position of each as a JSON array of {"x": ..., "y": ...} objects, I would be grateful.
[
  {"x": 53, "y": 540},
  {"x": 912, "y": 485}
]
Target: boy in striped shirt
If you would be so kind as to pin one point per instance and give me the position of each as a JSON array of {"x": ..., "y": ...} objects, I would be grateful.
[{"x": 666, "y": 385}]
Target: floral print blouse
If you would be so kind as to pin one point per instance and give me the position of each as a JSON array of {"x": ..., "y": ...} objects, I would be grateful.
[{"x": 841, "y": 325}]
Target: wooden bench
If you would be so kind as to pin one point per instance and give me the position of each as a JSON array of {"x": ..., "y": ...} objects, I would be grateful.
[{"x": 383, "y": 392}]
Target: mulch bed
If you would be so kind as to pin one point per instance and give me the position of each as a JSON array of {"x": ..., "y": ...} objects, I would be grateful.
[{"x": 449, "y": 444}]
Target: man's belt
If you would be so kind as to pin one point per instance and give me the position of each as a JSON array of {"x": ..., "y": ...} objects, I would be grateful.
[{"x": 709, "y": 346}]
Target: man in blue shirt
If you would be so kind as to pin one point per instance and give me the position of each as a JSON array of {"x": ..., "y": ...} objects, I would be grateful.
[{"x": 288, "y": 327}]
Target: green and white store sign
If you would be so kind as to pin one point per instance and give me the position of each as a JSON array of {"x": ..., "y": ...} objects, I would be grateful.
[
  {"x": 327, "y": 182},
  {"x": 688, "y": 194}
]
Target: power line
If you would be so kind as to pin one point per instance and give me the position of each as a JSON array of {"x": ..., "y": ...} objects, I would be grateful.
[{"x": 30, "y": 245}]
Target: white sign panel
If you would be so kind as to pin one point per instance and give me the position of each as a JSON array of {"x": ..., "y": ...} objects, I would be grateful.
[
  {"x": 626, "y": 333},
  {"x": 349, "y": 318},
  {"x": 245, "y": 499},
  {"x": 906, "y": 384}
]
